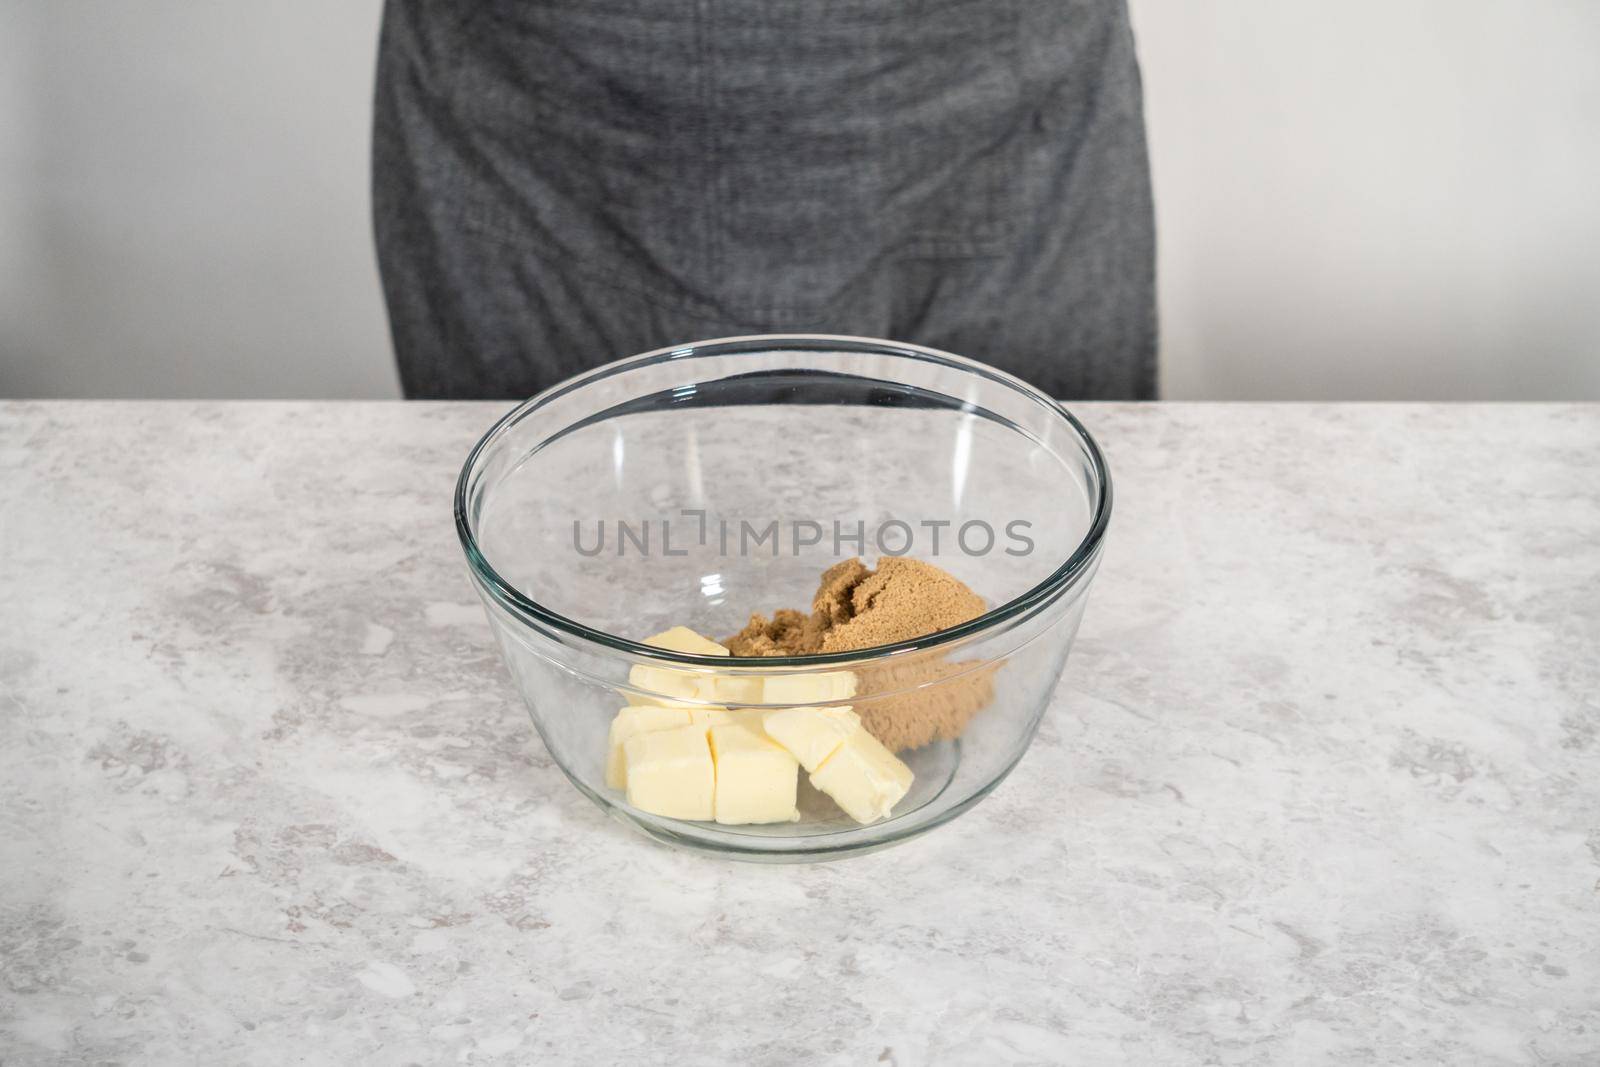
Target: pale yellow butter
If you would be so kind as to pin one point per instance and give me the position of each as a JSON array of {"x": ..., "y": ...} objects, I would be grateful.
[
  {"x": 670, "y": 773},
  {"x": 757, "y": 781},
  {"x": 826, "y": 688},
  {"x": 738, "y": 688},
  {"x": 709, "y": 717},
  {"x": 680, "y": 752},
  {"x": 636, "y": 720},
  {"x": 863, "y": 777},
  {"x": 669, "y": 685},
  {"x": 811, "y": 734},
  {"x": 683, "y": 639}
]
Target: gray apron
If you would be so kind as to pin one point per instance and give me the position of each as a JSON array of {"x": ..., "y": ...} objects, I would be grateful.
[{"x": 559, "y": 183}]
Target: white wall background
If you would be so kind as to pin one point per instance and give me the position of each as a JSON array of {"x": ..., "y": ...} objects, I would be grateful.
[
  {"x": 1368, "y": 199},
  {"x": 183, "y": 201},
  {"x": 1376, "y": 198}
]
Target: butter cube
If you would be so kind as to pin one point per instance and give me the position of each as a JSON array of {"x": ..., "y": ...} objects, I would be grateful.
[
  {"x": 811, "y": 734},
  {"x": 663, "y": 684},
  {"x": 737, "y": 688},
  {"x": 683, "y": 639},
  {"x": 862, "y": 777},
  {"x": 757, "y": 781},
  {"x": 636, "y": 720},
  {"x": 825, "y": 688},
  {"x": 669, "y": 689},
  {"x": 670, "y": 773},
  {"x": 844, "y": 760},
  {"x": 709, "y": 717}
]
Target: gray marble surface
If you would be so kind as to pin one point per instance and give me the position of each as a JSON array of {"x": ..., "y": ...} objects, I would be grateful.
[{"x": 1322, "y": 784}]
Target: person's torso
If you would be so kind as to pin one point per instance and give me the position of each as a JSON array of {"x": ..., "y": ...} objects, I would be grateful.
[{"x": 759, "y": 158}]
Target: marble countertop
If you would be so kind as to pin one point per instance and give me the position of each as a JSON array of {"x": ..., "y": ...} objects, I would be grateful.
[{"x": 1322, "y": 784}]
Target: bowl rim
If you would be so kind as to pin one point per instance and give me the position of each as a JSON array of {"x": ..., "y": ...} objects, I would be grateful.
[{"x": 1079, "y": 562}]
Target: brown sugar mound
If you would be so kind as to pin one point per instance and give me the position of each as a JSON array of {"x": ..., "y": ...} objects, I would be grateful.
[
  {"x": 856, "y": 608},
  {"x": 787, "y": 633},
  {"x": 918, "y": 701},
  {"x": 928, "y": 703}
]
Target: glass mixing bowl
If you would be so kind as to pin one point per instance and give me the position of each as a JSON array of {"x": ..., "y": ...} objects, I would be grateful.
[{"x": 694, "y": 485}]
